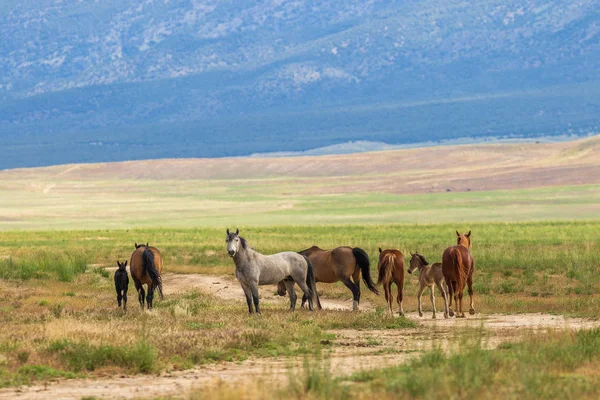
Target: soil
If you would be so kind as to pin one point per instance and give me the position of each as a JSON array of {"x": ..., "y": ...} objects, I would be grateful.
[{"x": 351, "y": 351}]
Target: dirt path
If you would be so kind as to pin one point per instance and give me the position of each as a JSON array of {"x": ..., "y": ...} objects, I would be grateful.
[
  {"x": 351, "y": 351},
  {"x": 228, "y": 289}
]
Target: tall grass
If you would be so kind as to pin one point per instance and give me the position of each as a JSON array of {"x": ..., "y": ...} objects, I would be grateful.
[{"x": 63, "y": 265}]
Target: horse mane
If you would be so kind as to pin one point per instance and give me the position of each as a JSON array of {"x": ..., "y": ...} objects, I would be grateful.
[
  {"x": 423, "y": 260},
  {"x": 245, "y": 244},
  {"x": 309, "y": 249}
]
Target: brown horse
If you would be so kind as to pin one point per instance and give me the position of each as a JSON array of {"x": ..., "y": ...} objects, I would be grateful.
[
  {"x": 339, "y": 264},
  {"x": 458, "y": 267},
  {"x": 391, "y": 269},
  {"x": 146, "y": 265}
]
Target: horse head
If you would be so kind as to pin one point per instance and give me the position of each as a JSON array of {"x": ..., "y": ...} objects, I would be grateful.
[
  {"x": 122, "y": 266},
  {"x": 417, "y": 261},
  {"x": 234, "y": 241},
  {"x": 463, "y": 240}
]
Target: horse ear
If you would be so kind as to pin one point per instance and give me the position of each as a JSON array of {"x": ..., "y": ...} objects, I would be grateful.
[
  {"x": 237, "y": 231},
  {"x": 457, "y": 234},
  {"x": 125, "y": 263},
  {"x": 227, "y": 231},
  {"x": 380, "y": 249},
  {"x": 147, "y": 244},
  {"x": 135, "y": 244},
  {"x": 468, "y": 234},
  {"x": 118, "y": 263},
  {"x": 411, "y": 253}
]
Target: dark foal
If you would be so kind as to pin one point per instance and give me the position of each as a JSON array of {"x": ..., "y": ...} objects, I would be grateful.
[{"x": 122, "y": 284}]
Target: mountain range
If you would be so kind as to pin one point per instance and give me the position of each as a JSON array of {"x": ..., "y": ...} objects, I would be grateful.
[{"x": 111, "y": 80}]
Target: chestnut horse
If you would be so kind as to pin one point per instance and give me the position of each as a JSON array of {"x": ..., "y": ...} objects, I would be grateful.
[
  {"x": 391, "y": 270},
  {"x": 339, "y": 264},
  {"x": 458, "y": 267},
  {"x": 146, "y": 265}
]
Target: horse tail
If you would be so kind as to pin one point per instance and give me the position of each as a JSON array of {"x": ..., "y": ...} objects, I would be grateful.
[
  {"x": 386, "y": 269},
  {"x": 362, "y": 259},
  {"x": 310, "y": 278},
  {"x": 150, "y": 267},
  {"x": 459, "y": 268}
]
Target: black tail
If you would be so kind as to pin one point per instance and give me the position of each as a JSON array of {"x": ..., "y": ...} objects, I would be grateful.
[
  {"x": 310, "y": 278},
  {"x": 148, "y": 257},
  {"x": 362, "y": 259}
]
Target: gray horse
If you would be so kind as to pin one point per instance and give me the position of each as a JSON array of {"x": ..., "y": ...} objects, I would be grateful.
[{"x": 253, "y": 269}]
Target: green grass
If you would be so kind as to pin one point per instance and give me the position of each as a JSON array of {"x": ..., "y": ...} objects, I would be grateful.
[{"x": 61, "y": 265}]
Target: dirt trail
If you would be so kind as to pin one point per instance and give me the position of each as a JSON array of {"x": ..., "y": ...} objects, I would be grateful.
[
  {"x": 352, "y": 350},
  {"x": 228, "y": 289}
]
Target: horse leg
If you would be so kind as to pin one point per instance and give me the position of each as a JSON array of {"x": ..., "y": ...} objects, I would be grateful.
[
  {"x": 254, "y": 291},
  {"x": 125, "y": 299},
  {"x": 470, "y": 285},
  {"x": 387, "y": 289},
  {"x": 355, "y": 292},
  {"x": 432, "y": 297},
  {"x": 445, "y": 295},
  {"x": 248, "y": 294},
  {"x": 421, "y": 289},
  {"x": 289, "y": 285},
  {"x": 459, "y": 295},
  {"x": 150, "y": 296},
  {"x": 399, "y": 299},
  {"x": 450, "y": 294},
  {"x": 119, "y": 298},
  {"x": 306, "y": 291},
  {"x": 141, "y": 293},
  {"x": 356, "y": 279}
]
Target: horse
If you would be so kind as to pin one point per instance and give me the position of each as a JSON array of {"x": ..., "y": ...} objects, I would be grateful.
[
  {"x": 146, "y": 266},
  {"x": 253, "y": 269},
  {"x": 340, "y": 264},
  {"x": 458, "y": 267},
  {"x": 428, "y": 275},
  {"x": 391, "y": 269},
  {"x": 122, "y": 284}
]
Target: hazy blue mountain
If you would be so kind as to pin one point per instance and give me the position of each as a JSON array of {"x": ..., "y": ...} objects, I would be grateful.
[{"x": 85, "y": 81}]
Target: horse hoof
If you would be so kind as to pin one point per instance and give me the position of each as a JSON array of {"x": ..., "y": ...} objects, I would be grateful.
[
  {"x": 445, "y": 315},
  {"x": 460, "y": 316},
  {"x": 433, "y": 317},
  {"x": 400, "y": 314},
  {"x": 451, "y": 313},
  {"x": 472, "y": 311},
  {"x": 420, "y": 314}
]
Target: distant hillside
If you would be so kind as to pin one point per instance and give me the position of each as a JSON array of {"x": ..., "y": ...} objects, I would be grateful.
[{"x": 117, "y": 80}]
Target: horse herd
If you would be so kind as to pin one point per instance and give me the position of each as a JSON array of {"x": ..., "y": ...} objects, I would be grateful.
[{"x": 307, "y": 267}]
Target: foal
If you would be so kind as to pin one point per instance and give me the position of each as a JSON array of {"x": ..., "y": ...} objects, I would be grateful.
[
  {"x": 428, "y": 275},
  {"x": 391, "y": 270},
  {"x": 122, "y": 284}
]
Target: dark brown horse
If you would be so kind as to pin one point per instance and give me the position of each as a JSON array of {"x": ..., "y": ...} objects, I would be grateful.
[
  {"x": 146, "y": 265},
  {"x": 339, "y": 264},
  {"x": 458, "y": 267},
  {"x": 391, "y": 270}
]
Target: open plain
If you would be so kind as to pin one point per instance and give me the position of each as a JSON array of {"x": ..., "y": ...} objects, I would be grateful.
[{"x": 533, "y": 210}]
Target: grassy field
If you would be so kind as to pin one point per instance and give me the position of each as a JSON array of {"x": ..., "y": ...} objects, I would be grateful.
[{"x": 60, "y": 304}]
